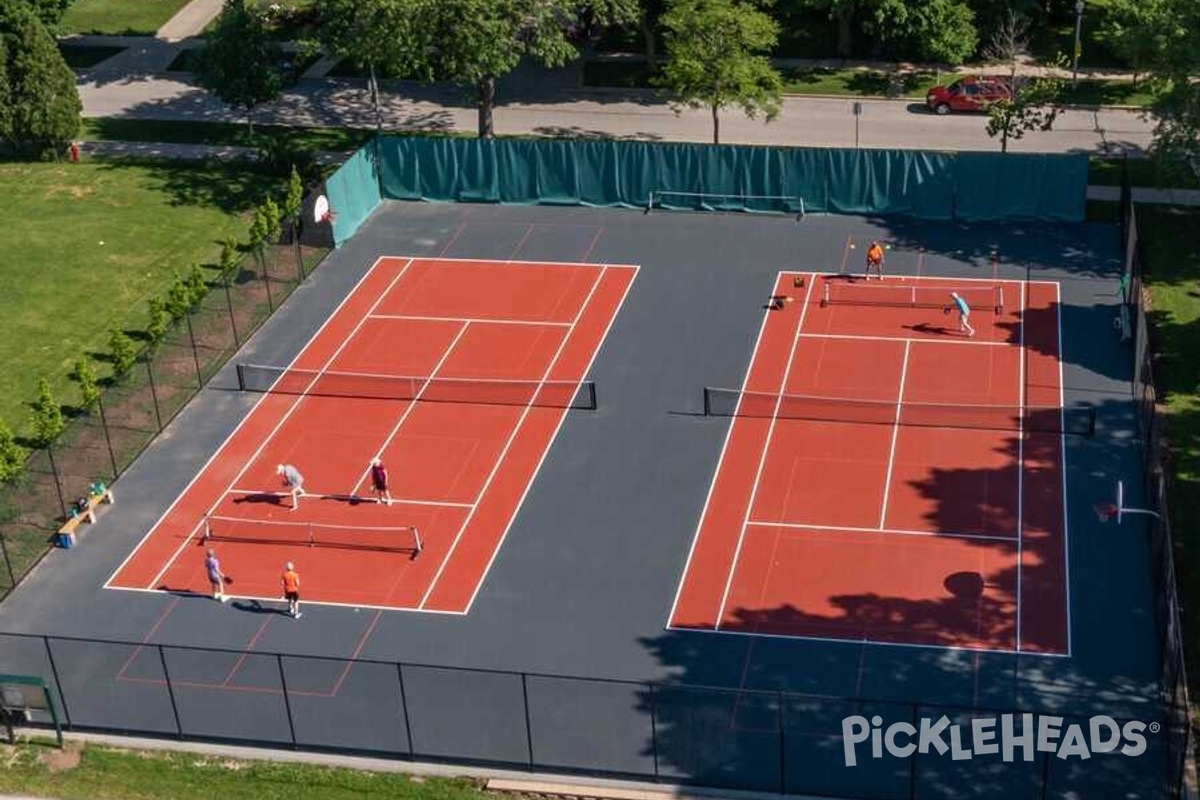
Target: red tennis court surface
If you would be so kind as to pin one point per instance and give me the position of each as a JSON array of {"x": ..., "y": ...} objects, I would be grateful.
[
  {"x": 458, "y": 470},
  {"x": 892, "y": 521}
]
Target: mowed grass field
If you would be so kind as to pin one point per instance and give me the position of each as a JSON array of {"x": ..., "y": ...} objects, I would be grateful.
[
  {"x": 92, "y": 772},
  {"x": 92, "y": 243},
  {"x": 119, "y": 17}
]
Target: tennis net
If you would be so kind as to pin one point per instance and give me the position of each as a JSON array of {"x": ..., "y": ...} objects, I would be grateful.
[
  {"x": 482, "y": 391},
  {"x": 1079, "y": 421},
  {"x": 399, "y": 539},
  {"x": 911, "y": 295}
]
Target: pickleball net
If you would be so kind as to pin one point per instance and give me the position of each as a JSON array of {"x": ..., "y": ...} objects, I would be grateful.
[
  {"x": 394, "y": 539},
  {"x": 983, "y": 297},
  {"x": 371, "y": 386},
  {"x": 1079, "y": 421}
]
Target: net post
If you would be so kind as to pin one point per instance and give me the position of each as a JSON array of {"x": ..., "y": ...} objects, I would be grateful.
[
  {"x": 590, "y": 395},
  {"x": 1120, "y": 500},
  {"x": 802, "y": 211},
  {"x": 241, "y": 377},
  {"x": 418, "y": 545},
  {"x": 707, "y": 403},
  {"x": 825, "y": 294},
  {"x": 649, "y": 202},
  {"x": 1000, "y": 298}
]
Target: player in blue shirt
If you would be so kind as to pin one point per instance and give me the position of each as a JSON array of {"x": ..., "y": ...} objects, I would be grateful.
[{"x": 964, "y": 314}]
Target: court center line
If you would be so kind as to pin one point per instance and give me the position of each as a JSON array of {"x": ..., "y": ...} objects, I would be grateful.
[
  {"x": 762, "y": 327},
  {"x": 241, "y": 423},
  {"x": 762, "y": 460},
  {"x": 887, "y": 480},
  {"x": 804, "y": 526},
  {"x": 285, "y": 417},
  {"x": 587, "y": 301},
  {"x": 408, "y": 409},
  {"x": 935, "y": 340},
  {"x": 407, "y": 501},
  {"x": 482, "y": 320},
  {"x": 1021, "y": 355}
]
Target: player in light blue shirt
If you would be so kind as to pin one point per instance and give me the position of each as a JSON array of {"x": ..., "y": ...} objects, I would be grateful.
[
  {"x": 293, "y": 480},
  {"x": 964, "y": 314}
]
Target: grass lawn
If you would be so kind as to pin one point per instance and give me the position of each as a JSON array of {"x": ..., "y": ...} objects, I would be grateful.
[
  {"x": 97, "y": 240},
  {"x": 116, "y": 17},
  {"x": 1172, "y": 269},
  {"x": 80, "y": 56},
  {"x": 855, "y": 82},
  {"x": 92, "y": 771},
  {"x": 1108, "y": 93}
]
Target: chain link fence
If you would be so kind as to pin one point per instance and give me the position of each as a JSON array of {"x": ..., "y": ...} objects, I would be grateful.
[{"x": 100, "y": 444}]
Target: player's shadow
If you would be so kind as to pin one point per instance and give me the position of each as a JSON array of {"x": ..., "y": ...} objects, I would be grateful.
[
  {"x": 925, "y": 327},
  {"x": 257, "y": 607},
  {"x": 270, "y": 498}
]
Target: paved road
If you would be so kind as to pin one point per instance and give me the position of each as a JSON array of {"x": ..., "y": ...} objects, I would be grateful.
[{"x": 553, "y": 105}]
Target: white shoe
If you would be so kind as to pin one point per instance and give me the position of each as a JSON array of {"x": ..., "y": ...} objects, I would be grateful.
[{"x": 297, "y": 615}]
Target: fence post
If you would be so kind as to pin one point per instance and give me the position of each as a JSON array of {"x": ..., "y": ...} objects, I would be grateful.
[
  {"x": 782, "y": 748},
  {"x": 287, "y": 701},
  {"x": 62, "y": 696},
  {"x": 528, "y": 726},
  {"x": 653, "y": 728},
  {"x": 412, "y": 748},
  {"x": 195, "y": 353},
  {"x": 112, "y": 456},
  {"x": 154, "y": 394},
  {"x": 237, "y": 342},
  {"x": 57, "y": 486},
  {"x": 262, "y": 258},
  {"x": 299, "y": 255},
  {"x": 12, "y": 576},
  {"x": 162, "y": 659}
]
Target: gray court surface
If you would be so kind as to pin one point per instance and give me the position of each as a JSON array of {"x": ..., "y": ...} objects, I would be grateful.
[{"x": 584, "y": 583}]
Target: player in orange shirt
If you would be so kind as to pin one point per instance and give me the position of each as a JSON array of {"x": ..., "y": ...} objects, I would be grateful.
[
  {"x": 875, "y": 259},
  {"x": 291, "y": 589}
]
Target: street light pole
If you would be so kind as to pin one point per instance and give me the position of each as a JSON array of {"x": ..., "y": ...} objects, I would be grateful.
[{"x": 1075, "y": 61}]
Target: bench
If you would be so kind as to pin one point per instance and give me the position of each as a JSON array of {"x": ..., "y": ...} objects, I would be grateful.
[{"x": 84, "y": 515}]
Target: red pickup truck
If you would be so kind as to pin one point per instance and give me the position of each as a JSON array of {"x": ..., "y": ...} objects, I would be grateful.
[{"x": 967, "y": 94}]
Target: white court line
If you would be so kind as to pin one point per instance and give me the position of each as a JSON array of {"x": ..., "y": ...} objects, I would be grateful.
[
  {"x": 395, "y": 501},
  {"x": 221, "y": 448},
  {"x": 803, "y": 526},
  {"x": 511, "y": 437},
  {"x": 412, "y": 403},
  {"x": 274, "y": 601},
  {"x": 919, "y": 339},
  {"x": 720, "y": 460},
  {"x": 1020, "y": 450},
  {"x": 762, "y": 461},
  {"x": 1063, "y": 460},
  {"x": 286, "y": 416},
  {"x": 546, "y": 450},
  {"x": 481, "y": 320},
  {"x": 862, "y": 641},
  {"x": 519, "y": 262},
  {"x": 887, "y": 481}
]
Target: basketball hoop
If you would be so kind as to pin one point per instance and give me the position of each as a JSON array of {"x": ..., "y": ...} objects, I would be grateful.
[{"x": 1106, "y": 511}]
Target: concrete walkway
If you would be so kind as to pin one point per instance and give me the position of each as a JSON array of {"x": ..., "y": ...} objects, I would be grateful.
[{"x": 190, "y": 20}]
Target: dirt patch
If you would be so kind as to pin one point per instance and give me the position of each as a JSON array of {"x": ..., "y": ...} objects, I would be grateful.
[{"x": 62, "y": 760}]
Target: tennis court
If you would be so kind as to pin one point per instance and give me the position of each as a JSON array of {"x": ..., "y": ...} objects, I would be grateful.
[
  {"x": 462, "y": 371},
  {"x": 857, "y": 397}
]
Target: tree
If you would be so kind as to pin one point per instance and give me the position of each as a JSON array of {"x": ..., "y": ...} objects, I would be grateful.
[
  {"x": 1175, "y": 68},
  {"x": 122, "y": 353},
  {"x": 84, "y": 374},
  {"x": 12, "y": 456},
  {"x": 929, "y": 30},
  {"x": 159, "y": 323},
  {"x": 47, "y": 418},
  {"x": 230, "y": 260},
  {"x": 197, "y": 285},
  {"x": 179, "y": 298},
  {"x": 846, "y": 13},
  {"x": 271, "y": 225},
  {"x": 1033, "y": 105},
  {"x": 478, "y": 41},
  {"x": 50, "y": 12},
  {"x": 377, "y": 35},
  {"x": 716, "y": 57},
  {"x": 1135, "y": 31},
  {"x": 239, "y": 62},
  {"x": 293, "y": 202},
  {"x": 43, "y": 109}
]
